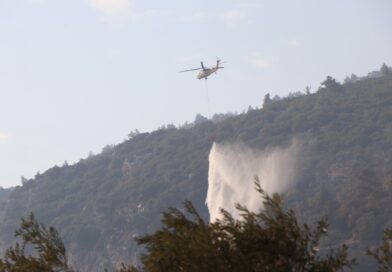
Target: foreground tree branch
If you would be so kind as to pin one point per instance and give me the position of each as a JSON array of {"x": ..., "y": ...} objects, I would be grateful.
[
  {"x": 41, "y": 250},
  {"x": 269, "y": 240}
]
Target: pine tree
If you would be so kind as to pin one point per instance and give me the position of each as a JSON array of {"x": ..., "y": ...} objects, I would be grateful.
[
  {"x": 383, "y": 253},
  {"x": 331, "y": 84},
  {"x": 267, "y": 100},
  {"x": 385, "y": 70},
  {"x": 41, "y": 250},
  {"x": 270, "y": 240}
]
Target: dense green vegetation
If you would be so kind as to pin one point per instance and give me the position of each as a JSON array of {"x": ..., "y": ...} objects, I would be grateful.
[
  {"x": 41, "y": 250},
  {"x": 271, "y": 239},
  {"x": 101, "y": 203},
  {"x": 383, "y": 253}
]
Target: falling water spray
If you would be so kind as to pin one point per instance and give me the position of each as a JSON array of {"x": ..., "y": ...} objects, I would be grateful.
[{"x": 232, "y": 171}]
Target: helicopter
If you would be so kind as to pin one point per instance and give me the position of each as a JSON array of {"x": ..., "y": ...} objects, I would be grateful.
[{"x": 204, "y": 71}]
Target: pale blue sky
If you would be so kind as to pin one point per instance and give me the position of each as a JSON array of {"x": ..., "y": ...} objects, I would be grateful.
[{"x": 77, "y": 75}]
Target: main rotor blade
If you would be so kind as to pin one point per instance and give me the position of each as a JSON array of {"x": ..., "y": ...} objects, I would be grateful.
[{"x": 190, "y": 70}]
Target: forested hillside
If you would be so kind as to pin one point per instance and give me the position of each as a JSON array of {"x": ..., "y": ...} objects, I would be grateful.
[
  {"x": 101, "y": 203},
  {"x": 4, "y": 193}
]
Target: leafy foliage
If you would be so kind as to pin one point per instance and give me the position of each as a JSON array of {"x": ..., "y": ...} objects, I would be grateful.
[
  {"x": 270, "y": 240},
  {"x": 331, "y": 84},
  {"x": 48, "y": 250},
  {"x": 383, "y": 253}
]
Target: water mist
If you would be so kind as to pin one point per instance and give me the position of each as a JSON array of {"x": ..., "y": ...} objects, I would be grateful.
[{"x": 232, "y": 169}]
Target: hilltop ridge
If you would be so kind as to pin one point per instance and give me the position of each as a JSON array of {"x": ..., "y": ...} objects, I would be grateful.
[{"x": 102, "y": 202}]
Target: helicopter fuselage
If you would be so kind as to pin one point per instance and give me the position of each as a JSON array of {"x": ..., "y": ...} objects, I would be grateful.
[{"x": 205, "y": 73}]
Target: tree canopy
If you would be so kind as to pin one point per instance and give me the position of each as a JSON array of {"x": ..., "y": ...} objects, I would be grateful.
[
  {"x": 41, "y": 250},
  {"x": 269, "y": 240},
  {"x": 383, "y": 253}
]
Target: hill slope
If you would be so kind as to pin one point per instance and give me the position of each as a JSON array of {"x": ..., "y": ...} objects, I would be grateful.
[{"x": 101, "y": 203}]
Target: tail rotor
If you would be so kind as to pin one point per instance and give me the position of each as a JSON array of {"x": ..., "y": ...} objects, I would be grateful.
[{"x": 219, "y": 62}]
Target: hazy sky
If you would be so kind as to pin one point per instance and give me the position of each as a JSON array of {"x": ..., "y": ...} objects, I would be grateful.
[{"x": 77, "y": 75}]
